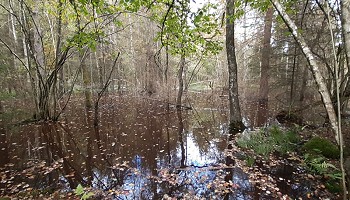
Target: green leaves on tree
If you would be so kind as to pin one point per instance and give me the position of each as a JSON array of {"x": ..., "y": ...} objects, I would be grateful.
[
  {"x": 189, "y": 32},
  {"x": 88, "y": 39}
]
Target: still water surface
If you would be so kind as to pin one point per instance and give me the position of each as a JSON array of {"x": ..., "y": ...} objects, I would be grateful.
[{"x": 141, "y": 149}]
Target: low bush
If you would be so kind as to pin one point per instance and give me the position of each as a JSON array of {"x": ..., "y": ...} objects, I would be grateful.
[
  {"x": 269, "y": 141},
  {"x": 318, "y": 145}
]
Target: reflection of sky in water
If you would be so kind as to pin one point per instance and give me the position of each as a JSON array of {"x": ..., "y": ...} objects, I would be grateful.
[
  {"x": 193, "y": 155},
  {"x": 242, "y": 180},
  {"x": 204, "y": 147}
]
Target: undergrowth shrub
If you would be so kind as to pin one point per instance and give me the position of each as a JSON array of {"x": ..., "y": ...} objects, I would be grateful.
[
  {"x": 318, "y": 145},
  {"x": 266, "y": 142},
  {"x": 318, "y": 164}
]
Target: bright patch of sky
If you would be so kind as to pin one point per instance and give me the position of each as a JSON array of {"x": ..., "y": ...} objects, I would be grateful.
[
  {"x": 245, "y": 26},
  {"x": 196, "y": 4}
]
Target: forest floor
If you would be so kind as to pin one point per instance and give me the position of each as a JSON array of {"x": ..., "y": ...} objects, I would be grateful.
[{"x": 291, "y": 176}]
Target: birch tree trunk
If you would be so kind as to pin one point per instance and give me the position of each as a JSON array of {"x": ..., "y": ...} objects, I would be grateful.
[
  {"x": 314, "y": 68},
  {"x": 236, "y": 124},
  {"x": 12, "y": 30}
]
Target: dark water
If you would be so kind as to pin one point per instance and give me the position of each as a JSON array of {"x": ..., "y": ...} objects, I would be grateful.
[{"x": 141, "y": 149}]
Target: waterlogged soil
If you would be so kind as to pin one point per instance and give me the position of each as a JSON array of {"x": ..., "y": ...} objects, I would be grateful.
[{"x": 143, "y": 148}]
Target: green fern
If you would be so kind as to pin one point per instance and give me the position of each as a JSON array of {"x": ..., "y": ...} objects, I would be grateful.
[
  {"x": 80, "y": 191},
  {"x": 319, "y": 165}
]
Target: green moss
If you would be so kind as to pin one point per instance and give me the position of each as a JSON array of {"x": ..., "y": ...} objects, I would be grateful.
[{"x": 323, "y": 146}]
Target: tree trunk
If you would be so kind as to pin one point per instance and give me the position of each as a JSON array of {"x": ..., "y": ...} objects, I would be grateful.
[
  {"x": 99, "y": 67},
  {"x": 314, "y": 68},
  {"x": 304, "y": 79},
  {"x": 345, "y": 19},
  {"x": 38, "y": 56},
  {"x": 236, "y": 124},
  {"x": 265, "y": 65},
  {"x": 86, "y": 80},
  {"x": 180, "y": 77},
  {"x": 58, "y": 48},
  {"x": 58, "y": 68}
]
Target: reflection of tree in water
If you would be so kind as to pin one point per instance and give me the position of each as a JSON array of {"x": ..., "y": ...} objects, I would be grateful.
[
  {"x": 4, "y": 153},
  {"x": 209, "y": 134},
  {"x": 126, "y": 153},
  {"x": 181, "y": 139},
  {"x": 52, "y": 137}
]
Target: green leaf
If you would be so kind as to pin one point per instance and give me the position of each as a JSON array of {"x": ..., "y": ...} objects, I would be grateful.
[
  {"x": 87, "y": 195},
  {"x": 79, "y": 190}
]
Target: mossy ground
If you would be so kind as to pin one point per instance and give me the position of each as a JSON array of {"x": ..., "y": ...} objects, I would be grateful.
[
  {"x": 318, "y": 156},
  {"x": 319, "y": 145}
]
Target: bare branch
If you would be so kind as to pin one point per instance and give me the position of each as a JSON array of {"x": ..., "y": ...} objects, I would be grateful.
[{"x": 14, "y": 54}]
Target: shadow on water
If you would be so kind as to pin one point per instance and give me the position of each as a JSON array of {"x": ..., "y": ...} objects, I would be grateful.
[{"x": 141, "y": 149}]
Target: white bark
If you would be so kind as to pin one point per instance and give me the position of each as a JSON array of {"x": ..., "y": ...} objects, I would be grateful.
[
  {"x": 314, "y": 68},
  {"x": 12, "y": 30}
]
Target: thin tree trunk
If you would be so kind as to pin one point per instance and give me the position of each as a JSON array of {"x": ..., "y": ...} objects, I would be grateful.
[
  {"x": 345, "y": 19},
  {"x": 236, "y": 124},
  {"x": 102, "y": 66},
  {"x": 27, "y": 60},
  {"x": 166, "y": 65},
  {"x": 314, "y": 67},
  {"x": 132, "y": 49},
  {"x": 86, "y": 80},
  {"x": 99, "y": 67},
  {"x": 41, "y": 69},
  {"x": 305, "y": 77},
  {"x": 14, "y": 37},
  {"x": 292, "y": 83},
  {"x": 13, "y": 63},
  {"x": 58, "y": 68},
  {"x": 180, "y": 77},
  {"x": 265, "y": 67},
  {"x": 58, "y": 48}
]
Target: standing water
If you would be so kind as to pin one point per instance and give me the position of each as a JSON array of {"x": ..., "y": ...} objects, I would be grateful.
[{"x": 141, "y": 149}]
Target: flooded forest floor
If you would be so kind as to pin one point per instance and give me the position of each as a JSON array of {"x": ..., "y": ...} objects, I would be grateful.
[{"x": 144, "y": 148}]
